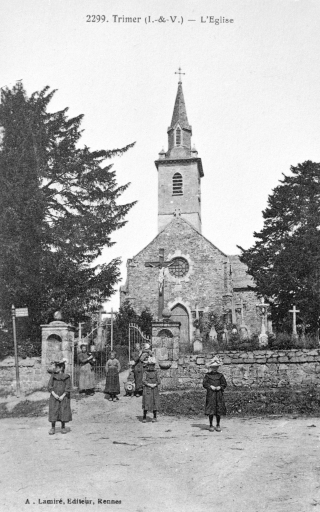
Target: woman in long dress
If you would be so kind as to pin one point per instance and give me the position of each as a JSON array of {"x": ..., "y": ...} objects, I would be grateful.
[
  {"x": 86, "y": 379},
  {"x": 140, "y": 359},
  {"x": 112, "y": 377}
]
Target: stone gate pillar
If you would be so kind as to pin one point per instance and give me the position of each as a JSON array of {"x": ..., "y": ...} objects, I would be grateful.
[
  {"x": 57, "y": 343},
  {"x": 165, "y": 343}
]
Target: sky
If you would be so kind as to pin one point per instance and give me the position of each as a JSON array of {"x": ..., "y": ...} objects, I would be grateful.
[{"x": 251, "y": 89}]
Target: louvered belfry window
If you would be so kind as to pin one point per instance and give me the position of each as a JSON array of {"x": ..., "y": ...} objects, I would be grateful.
[
  {"x": 177, "y": 185},
  {"x": 178, "y": 136}
]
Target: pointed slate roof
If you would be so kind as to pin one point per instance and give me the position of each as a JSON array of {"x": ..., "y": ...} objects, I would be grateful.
[{"x": 179, "y": 115}]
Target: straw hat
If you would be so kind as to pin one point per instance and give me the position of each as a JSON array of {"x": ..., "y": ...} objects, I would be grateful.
[
  {"x": 62, "y": 361},
  {"x": 215, "y": 361}
]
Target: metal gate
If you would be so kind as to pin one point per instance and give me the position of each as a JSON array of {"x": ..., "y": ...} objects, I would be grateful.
[
  {"x": 136, "y": 337},
  {"x": 99, "y": 349}
]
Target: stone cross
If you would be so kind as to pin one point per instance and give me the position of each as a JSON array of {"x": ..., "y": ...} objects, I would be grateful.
[
  {"x": 294, "y": 311},
  {"x": 161, "y": 265}
]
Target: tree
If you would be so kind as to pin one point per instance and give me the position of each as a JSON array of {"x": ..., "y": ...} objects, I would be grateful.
[
  {"x": 58, "y": 209},
  {"x": 127, "y": 315},
  {"x": 285, "y": 259}
]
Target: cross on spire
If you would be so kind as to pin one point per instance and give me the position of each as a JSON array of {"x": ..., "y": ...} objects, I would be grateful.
[{"x": 179, "y": 72}]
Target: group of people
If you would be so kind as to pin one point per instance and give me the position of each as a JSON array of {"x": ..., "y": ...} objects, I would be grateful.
[{"x": 143, "y": 379}]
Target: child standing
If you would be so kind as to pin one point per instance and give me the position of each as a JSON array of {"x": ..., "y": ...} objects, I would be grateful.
[
  {"x": 59, "y": 388},
  {"x": 215, "y": 384},
  {"x": 129, "y": 386},
  {"x": 150, "y": 397},
  {"x": 140, "y": 359},
  {"x": 112, "y": 378}
]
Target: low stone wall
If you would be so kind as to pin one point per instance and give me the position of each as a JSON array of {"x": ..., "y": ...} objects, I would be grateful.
[
  {"x": 29, "y": 371},
  {"x": 257, "y": 369}
]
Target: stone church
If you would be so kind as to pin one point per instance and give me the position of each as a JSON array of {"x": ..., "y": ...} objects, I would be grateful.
[{"x": 196, "y": 277}]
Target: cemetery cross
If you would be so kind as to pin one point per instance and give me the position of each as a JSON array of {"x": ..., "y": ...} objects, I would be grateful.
[{"x": 294, "y": 311}]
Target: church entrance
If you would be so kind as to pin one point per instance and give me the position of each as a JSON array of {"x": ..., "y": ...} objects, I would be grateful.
[{"x": 180, "y": 314}]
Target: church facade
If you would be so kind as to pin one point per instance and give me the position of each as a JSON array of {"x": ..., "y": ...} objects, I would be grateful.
[{"x": 196, "y": 278}]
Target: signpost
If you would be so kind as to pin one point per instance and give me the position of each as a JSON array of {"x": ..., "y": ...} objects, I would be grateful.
[{"x": 17, "y": 313}]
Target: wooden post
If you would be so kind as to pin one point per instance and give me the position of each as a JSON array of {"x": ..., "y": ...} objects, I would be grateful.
[
  {"x": 111, "y": 328},
  {"x": 72, "y": 364},
  {"x": 13, "y": 311}
]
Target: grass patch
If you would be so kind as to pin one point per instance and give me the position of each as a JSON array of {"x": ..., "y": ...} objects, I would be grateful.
[
  {"x": 246, "y": 402},
  {"x": 25, "y": 409}
]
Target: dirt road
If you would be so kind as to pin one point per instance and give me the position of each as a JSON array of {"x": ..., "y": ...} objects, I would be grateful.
[{"x": 253, "y": 465}]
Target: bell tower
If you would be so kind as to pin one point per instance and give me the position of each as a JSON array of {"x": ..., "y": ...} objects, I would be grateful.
[{"x": 179, "y": 171}]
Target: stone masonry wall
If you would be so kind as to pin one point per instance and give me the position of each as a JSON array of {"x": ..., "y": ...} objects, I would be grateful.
[
  {"x": 204, "y": 283},
  {"x": 257, "y": 369},
  {"x": 30, "y": 375}
]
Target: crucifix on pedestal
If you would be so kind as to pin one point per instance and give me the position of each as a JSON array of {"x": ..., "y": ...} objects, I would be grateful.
[
  {"x": 244, "y": 333},
  {"x": 263, "y": 310},
  {"x": 294, "y": 311},
  {"x": 161, "y": 265}
]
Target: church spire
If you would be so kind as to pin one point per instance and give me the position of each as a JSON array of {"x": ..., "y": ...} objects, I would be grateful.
[
  {"x": 179, "y": 131},
  {"x": 179, "y": 115}
]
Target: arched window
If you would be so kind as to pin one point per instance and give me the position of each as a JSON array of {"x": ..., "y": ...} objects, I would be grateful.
[
  {"x": 177, "y": 185},
  {"x": 178, "y": 136},
  {"x": 165, "y": 333},
  {"x": 54, "y": 337}
]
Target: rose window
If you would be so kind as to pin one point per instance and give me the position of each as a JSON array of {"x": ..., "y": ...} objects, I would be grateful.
[{"x": 179, "y": 267}]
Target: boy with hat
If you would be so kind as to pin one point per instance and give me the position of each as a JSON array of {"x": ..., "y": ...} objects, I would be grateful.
[
  {"x": 215, "y": 384},
  {"x": 59, "y": 388},
  {"x": 151, "y": 383}
]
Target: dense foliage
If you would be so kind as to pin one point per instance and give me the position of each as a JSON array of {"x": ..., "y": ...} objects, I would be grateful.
[
  {"x": 127, "y": 315},
  {"x": 285, "y": 259},
  {"x": 58, "y": 209}
]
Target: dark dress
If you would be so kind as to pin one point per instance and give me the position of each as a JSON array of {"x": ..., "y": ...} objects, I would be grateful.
[
  {"x": 59, "y": 411},
  {"x": 214, "y": 399},
  {"x": 112, "y": 378},
  {"x": 150, "y": 397},
  {"x": 140, "y": 366},
  {"x": 138, "y": 374},
  {"x": 86, "y": 379}
]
